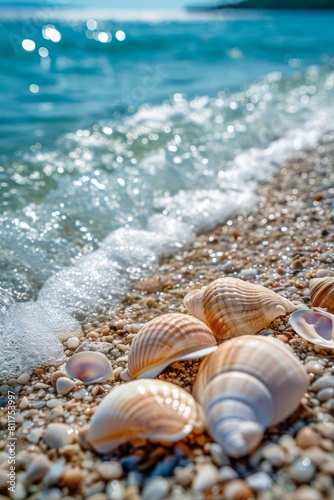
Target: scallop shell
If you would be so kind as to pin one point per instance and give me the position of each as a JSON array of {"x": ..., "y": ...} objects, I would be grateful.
[
  {"x": 89, "y": 366},
  {"x": 314, "y": 325},
  {"x": 248, "y": 384},
  {"x": 165, "y": 339},
  {"x": 146, "y": 408},
  {"x": 232, "y": 307},
  {"x": 322, "y": 293}
]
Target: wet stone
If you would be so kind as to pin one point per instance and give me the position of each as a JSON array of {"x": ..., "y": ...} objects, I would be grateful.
[{"x": 302, "y": 470}]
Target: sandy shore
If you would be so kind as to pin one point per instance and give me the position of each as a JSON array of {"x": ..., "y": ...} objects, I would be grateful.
[{"x": 286, "y": 240}]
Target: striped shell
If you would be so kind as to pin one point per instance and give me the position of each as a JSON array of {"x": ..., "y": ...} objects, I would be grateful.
[
  {"x": 314, "y": 325},
  {"x": 232, "y": 307},
  {"x": 150, "y": 409},
  {"x": 248, "y": 384},
  {"x": 165, "y": 339},
  {"x": 322, "y": 293}
]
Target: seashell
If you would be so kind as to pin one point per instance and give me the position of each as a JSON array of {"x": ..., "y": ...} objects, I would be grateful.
[
  {"x": 322, "y": 293},
  {"x": 146, "y": 408},
  {"x": 232, "y": 307},
  {"x": 165, "y": 339},
  {"x": 246, "y": 385},
  {"x": 58, "y": 435},
  {"x": 314, "y": 325},
  {"x": 64, "y": 385},
  {"x": 89, "y": 366}
]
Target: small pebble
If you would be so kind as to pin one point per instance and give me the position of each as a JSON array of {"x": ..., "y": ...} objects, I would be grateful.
[
  {"x": 218, "y": 455},
  {"x": 237, "y": 489},
  {"x": 326, "y": 429},
  {"x": 206, "y": 477},
  {"x": 110, "y": 470},
  {"x": 155, "y": 488},
  {"x": 72, "y": 342},
  {"x": 37, "y": 468},
  {"x": 52, "y": 403},
  {"x": 315, "y": 367},
  {"x": 23, "y": 379},
  {"x": 24, "y": 403},
  {"x": 302, "y": 470},
  {"x": 323, "y": 383},
  {"x": 64, "y": 385},
  {"x": 115, "y": 490},
  {"x": 274, "y": 454},
  {"x": 307, "y": 493},
  {"x": 71, "y": 479},
  {"x": 259, "y": 481},
  {"x": 325, "y": 394},
  {"x": 307, "y": 437},
  {"x": 184, "y": 475},
  {"x": 58, "y": 435},
  {"x": 227, "y": 473}
]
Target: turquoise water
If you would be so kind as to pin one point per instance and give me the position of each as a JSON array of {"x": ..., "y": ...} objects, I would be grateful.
[{"x": 120, "y": 138}]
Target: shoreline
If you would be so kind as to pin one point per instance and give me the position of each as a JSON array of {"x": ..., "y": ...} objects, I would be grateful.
[{"x": 286, "y": 240}]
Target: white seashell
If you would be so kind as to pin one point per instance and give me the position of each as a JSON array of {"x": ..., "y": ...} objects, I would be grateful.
[
  {"x": 165, "y": 339},
  {"x": 314, "y": 325},
  {"x": 64, "y": 385},
  {"x": 233, "y": 307},
  {"x": 150, "y": 409},
  {"x": 89, "y": 366},
  {"x": 248, "y": 384},
  {"x": 322, "y": 293}
]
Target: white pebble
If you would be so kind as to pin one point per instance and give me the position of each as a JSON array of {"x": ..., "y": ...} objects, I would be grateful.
[
  {"x": 58, "y": 435},
  {"x": 64, "y": 385},
  {"x": 52, "y": 403},
  {"x": 155, "y": 488},
  {"x": 274, "y": 454},
  {"x": 110, "y": 470},
  {"x": 72, "y": 342},
  {"x": 207, "y": 476},
  {"x": 323, "y": 383},
  {"x": 259, "y": 481},
  {"x": 325, "y": 394},
  {"x": 315, "y": 367},
  {"x": 218, "y": 455},
  {"x": 302, "y": 470}
]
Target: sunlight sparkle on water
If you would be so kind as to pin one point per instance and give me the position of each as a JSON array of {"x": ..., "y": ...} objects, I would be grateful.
[
  {"x": 51, "y": 33},
  {"x": 120, "y": 35},
  {"x": 28, "y": 45}
]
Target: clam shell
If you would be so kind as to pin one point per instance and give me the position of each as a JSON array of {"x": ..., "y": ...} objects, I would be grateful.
[
  {"x": 314, "y": 325},
  {"x": 146, "y": 408},
  {"x": 165, "y": 339},
  {"x": 232, "y": 307},
  {"x": 89, "y": 366},
  {"x": 246, "y": 385},
  {"x": 322, "y": 293}
]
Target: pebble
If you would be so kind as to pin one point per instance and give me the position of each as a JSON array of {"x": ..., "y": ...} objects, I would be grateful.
[
  {"x": 302, "y": 470},
  {"x": 326, "y": 429},
  {"x": 52, "y": 403},
  {"x": 325, "y": 394},
  {"x": 237, "y": 490},
  {"x": 315, "y": 367},
  {"x": 218, "y": 455},
  {"x": 58, "y": 435},
  {"x": 307, "y": 437},
  {"x": 260, "y": 481},
  {"x": 155, "y": 488},
  {"x": 24, "y": 403},
  {"x": 307, "y": 493},
  {"x": 226, "y": 473},
  {"x": 23, "y": 378},
  {"x": 323, "y": 383},
  {"x": 71, "y": 478},
  {"x": 206, "y": 477},
  {"x": 115, "y": 490},
  {"x": 72, "y": 342},
  {"x": 110, "y": 470},
  {"x": 64, "y": 385},
  {"x": 37, "y": 468},
  {"x": 274, "y": 454},
  {"x": 184, "y": 475}
]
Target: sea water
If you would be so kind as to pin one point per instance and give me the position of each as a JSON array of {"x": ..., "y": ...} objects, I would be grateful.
[{"x": 124, "y": 134}]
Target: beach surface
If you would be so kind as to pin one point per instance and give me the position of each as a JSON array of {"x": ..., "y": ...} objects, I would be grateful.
[{"x": 286, "y": 240}]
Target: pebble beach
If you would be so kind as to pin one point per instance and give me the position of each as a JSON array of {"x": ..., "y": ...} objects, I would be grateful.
[{"x": 286, "y": 240}]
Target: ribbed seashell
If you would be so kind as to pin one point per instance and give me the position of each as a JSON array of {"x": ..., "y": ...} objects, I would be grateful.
[
  {"x": 322, "y": 293},
  {"x": 89, "y": 366},
  {"x": 165, "y": 339},
  {"x": 233, "y": 307},
  {"x": 314, "y": 325},
  {"x": 146, "y": 408},
  {"x": 248, "y": 384}
]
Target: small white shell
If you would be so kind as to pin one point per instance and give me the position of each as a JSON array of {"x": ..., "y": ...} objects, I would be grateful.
[
  {"x": 314, "y": 325},
  {"x": 150, "y": 409},
  {"x": 89, "y": 366},
  {"x": 246, "y": 385},
  {"x": 164, "y": 340},
  {"x": 233, "y": 307}
]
